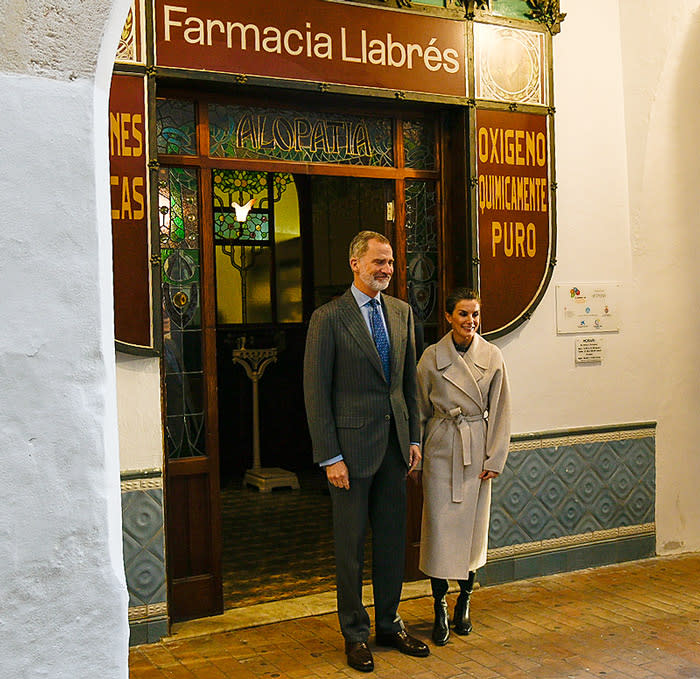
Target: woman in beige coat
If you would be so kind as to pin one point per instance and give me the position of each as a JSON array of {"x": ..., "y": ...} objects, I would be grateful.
[{"x": 465, "y": 416}]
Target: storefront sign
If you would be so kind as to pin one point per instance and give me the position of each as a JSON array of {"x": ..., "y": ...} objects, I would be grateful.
[
  {"x": 317, "y": 41},
  {"x": 513, "y": 213},
  {"x": 127, "y": 153}
]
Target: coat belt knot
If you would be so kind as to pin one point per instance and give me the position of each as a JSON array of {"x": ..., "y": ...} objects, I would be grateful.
[{"x": 462, "y": 422}]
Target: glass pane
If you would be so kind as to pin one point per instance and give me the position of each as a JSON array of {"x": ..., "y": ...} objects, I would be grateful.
[
  {"x": 419, "y": 144},
  {"x": 243, "y": 284},
  {"x": 180, "y": 286},
  {"x": 514, "y": 9},
  {"x": 178, "y": 208},
  {"x": 244, "y": 132},
  {"x": 175, "y": 127},
  {"x": 241, "y": 205},
  {"x": 422, "y": 250},
  {"x": 288, "y": 256},
  {"x": 184, "y": 436}
]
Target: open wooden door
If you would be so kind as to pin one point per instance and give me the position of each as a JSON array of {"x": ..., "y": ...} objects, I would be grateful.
[{"x": 193, "y": 516}]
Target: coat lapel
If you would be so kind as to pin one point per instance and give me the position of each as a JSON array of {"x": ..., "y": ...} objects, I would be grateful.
[
  {"x": 352, "y": 318},
  {"x": 459, "y": 372}
]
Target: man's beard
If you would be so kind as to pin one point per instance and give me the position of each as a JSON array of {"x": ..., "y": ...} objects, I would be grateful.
[{"x": 375, "y": 284}]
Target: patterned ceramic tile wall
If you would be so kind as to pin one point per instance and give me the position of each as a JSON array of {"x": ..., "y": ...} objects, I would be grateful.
[
  {"x": 144, "y": 555},
  {"x": 573, "y": 485}
]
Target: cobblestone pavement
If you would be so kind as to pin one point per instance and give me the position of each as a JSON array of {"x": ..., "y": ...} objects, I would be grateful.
[{"x": 636, "y": 620}]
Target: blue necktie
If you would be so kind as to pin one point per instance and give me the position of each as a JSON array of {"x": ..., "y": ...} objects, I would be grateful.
[{"x": 380, "y": 338}]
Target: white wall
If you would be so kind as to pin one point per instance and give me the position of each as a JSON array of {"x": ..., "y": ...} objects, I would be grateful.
[
  {"x": 627, "y": 93},
  {"x": 593, "y": 243},
  {"x": 661, "y": 60},
  {"x": 138, "y": 405},
  {"x": 64, "y": 612}
]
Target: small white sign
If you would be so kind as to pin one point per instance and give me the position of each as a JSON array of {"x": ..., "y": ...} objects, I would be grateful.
[
  {"x": 588, "y": 307},
  {"x": 589, "y": 350}
]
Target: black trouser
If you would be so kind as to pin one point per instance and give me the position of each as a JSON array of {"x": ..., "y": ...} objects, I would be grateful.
[{"x": 381, "y": 498}]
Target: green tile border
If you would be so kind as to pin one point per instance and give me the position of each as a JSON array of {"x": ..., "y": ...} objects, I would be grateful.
[
  {"x": 148, "y": 632},
  {"x": 602, "y": 553}
]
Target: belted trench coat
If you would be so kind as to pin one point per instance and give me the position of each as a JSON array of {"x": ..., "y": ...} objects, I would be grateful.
[{"x": 465, "y": 417}]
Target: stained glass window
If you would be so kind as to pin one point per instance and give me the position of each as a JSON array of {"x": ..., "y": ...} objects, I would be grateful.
[
  {"x": 419, "y": 144},
  {"x": 513, "y": 9},
  {"x": 253, "y": 211},
  {"x": 241, "y": 205},
  {"x": 175, "y": 127},
  {"x": 309, "y": 137},
  {"x": 243, "y": 293},
  {"x": 180, "y": 286},
  {"x": 422, "y": 250}
]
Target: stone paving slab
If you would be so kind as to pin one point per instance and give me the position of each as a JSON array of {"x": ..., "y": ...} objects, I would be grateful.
[{"x": 637, "y": 620}]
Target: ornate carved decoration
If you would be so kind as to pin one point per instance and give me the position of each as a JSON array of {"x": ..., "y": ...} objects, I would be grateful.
[{"x": 547, "y": 13}]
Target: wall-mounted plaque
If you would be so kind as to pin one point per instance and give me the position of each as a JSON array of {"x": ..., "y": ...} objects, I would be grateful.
[
  {"x": 588, "y": 307},
  {"x": 589, "y": 350}
]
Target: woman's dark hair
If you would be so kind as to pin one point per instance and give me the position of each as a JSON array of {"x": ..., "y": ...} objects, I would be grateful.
[{"x": 457, "y": 295}]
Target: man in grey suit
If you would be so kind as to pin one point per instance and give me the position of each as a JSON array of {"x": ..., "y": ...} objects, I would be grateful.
[{"x": 361, "y": 405}]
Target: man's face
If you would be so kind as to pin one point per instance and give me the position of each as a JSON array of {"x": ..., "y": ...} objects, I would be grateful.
[{"x": 373, "y": 271}]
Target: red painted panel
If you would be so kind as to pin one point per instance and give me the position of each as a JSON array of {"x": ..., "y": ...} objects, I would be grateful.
[
  {"x": 513, "y": 212},
  {"x": 127, "y": 154}
]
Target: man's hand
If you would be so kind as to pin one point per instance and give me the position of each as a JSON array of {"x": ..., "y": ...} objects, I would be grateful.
[
  {"x": 414, "y": 457},
  {"x": 338, "y": 476},
  {"x": 487, "y": 474}
]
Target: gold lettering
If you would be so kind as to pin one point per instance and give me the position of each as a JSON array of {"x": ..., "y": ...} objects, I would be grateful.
[
  {"x": 496, "y": 236},
  {"x": 114, "y": 181}
]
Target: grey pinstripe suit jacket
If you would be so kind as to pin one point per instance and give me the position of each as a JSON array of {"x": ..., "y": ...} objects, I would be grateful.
[{"x": 349, "y": 404}]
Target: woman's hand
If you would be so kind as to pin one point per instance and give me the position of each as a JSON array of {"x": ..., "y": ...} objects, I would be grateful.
[{"x": 487, "y": 474}]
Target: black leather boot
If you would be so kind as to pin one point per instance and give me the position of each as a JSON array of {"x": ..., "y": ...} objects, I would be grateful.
[
  {"x": 441, "y": 626},
  {"x": 462, "y": 619}
]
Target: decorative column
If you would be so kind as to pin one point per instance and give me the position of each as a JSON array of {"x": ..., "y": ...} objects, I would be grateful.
[{"x": 254, "y": 361}]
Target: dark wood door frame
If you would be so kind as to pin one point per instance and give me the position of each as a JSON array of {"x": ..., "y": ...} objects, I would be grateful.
[{"x": 193, "y": 524}]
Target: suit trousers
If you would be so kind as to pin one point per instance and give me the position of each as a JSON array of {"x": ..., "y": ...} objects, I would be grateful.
[{"x": 381, "y": 499}]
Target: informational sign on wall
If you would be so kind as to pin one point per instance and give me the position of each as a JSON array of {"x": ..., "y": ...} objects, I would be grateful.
[
  {"x": 513, "y": 213},
  {"x": 129, "y": 186},
  {"x": 588, "y": 307},
  {"x": 589, "y": 350},
  {"x": 324, "y": 42}
]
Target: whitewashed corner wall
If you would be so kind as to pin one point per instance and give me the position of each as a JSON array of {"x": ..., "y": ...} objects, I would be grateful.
[
  {"x": 661, "y": 66},
  {"x": 627, "y": 82},
  {"x": 64, "y": 612}
]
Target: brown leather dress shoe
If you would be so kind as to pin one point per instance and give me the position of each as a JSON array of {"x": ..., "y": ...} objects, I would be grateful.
[
  {"x": 404, "y": 642},
  {"x": 359, "y": 656}
]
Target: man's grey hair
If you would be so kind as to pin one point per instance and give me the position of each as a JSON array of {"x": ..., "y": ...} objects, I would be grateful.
[{"x": 360, "y": 243}]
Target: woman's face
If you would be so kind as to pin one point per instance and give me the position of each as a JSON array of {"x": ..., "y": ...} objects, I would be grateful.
[{"x": 464, "y": 320}]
